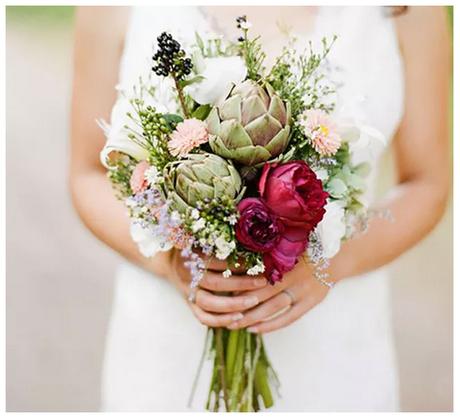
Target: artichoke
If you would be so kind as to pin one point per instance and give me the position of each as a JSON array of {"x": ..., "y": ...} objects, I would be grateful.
[
  {"x": 251, "y": 126},
  {"x": 199, "y": 177}
]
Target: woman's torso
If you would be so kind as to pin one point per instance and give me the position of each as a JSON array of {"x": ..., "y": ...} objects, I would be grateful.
[{"x": 340, "y": 355}]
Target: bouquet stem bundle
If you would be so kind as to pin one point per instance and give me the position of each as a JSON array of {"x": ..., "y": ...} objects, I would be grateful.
[{"x": 242, "y": 374}]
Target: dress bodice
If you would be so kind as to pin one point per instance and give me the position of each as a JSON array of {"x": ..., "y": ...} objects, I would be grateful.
[{"x": 366, "y": 55}]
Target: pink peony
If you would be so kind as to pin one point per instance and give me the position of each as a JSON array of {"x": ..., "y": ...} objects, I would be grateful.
[
  {"x": 257, "y": 229},
  {"x": 286, "y": 254},
  {"x": 322, "y": 131},
  {"x": 138, "y": 182},
  {"x": 188, "y": 134},
  {"x": 294, "y": 193}
]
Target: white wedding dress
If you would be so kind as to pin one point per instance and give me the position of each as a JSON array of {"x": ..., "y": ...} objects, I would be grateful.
[{"x": 339, "y": 356}]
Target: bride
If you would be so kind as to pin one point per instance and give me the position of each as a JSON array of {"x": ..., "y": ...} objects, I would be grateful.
[{"x": 332, "y": 347}]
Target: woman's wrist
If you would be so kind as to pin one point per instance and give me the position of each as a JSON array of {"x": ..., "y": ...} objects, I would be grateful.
[
  {"x": 343, "y": 265},
  {"x": 161, "y": 264}
]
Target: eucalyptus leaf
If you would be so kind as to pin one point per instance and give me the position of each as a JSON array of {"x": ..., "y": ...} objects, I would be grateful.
[
  {"x": 172, "y": 119},
  {"x": 202, "y": 112},
  {"x": 199, "y": 41},
  {"x": 362, "y": 169},
  {"x": 356, "y": 182},
  {"x": 336, "y": 187},
  {"x": 188, "y": 82}
]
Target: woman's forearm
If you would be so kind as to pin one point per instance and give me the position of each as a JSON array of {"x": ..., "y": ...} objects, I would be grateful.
[
  {"x": 415, "y": 208},
  {"x": 106, "y": 217}
]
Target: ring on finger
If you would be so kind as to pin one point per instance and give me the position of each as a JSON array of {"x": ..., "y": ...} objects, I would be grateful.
[
  {"x": 290, "y": 295},
  {"x": 277, "y": 313}
]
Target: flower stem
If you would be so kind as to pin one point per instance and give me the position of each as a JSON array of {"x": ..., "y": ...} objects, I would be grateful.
[
  {"x": 255, "y": 360},
  {"x": 180, "y": 94},
  {"x": 221, "y": 363},
  {"x": 237, "y": 374},
  {"x": 232, "y": 345},
  {"x": 261, "y": 379}
]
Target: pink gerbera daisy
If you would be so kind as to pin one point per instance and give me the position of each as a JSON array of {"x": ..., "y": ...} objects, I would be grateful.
[
  {"x": 321, "y": 130},
  {"x": 188, "y": 135}
]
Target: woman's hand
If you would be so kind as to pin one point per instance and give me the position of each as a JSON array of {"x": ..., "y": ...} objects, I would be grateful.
[
  {"x": 283, "y": 303},
  {"x": 254, "y": 303},
  {"x": 212, "y": 306}
]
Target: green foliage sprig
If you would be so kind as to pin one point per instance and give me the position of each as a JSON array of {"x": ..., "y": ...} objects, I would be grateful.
[
  {"x": 215, "y": 47},
  {"x": 296, "y": 78},
  {"x": 251, "y": 50},
  {"x": 151, "y": 130},
  {"x": 120, "y": 175}
]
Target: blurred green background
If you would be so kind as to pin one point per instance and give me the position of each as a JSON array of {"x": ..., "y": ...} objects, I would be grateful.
[{"x": 59, "y": 278}]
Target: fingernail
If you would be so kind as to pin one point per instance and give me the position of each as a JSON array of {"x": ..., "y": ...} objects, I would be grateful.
[
  {"x": 252, "y": 330},
  {"x": 237, "y": 316},
  {"x": 253, "y": 300},
  {"x": 260, "y": 282}
]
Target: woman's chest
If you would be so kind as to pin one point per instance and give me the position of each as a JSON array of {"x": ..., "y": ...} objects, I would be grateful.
[{"x": 365, "y": 58}]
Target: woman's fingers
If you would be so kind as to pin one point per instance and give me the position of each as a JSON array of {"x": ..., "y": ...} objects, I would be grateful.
[
  {"x": 214, "y": 320},
  {"x": 214, "y": 303},
  {"x": 267, "y": 292},
  {"x": 215, "y": 264},
  {"x": 294, "y": 313},
  {"x": 218, "y": 283},
  {"x": 262, "y": 312}
]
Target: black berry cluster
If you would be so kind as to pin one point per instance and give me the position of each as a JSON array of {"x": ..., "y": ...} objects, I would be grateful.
[
  {"x": 240, "y": 20},
  {"x": 170, "y": 59}
]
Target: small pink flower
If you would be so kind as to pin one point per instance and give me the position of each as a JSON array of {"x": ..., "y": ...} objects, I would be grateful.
[
  {"x": 322, "y": 131},
  {"x": 138, "y": 182},
  {"x": 188, "y": 134}
]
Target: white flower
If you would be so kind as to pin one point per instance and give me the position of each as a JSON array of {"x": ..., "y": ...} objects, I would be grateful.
[
  {"x": 117, "y": 134},
  {"x": 198, "y": 225},
  {"x": 195, "y": 214},
  {"x": 219, "y": 74},
  {"x": 246, "y": 25},
  {"x": 152, "y": 175},
  {"x": 224, "y": 248},
  {"x": 232, "y": 219},
  {"x": 255, "y": 270},
  {"x": 227, "y": 273},
  {"x": 175, "y": 218},
  {"x": 148, "y": 241},
  {"x": 332, "y": 228}
]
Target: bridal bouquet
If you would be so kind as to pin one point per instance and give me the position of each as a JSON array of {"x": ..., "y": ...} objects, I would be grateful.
[{"x": 220, "y": 158}]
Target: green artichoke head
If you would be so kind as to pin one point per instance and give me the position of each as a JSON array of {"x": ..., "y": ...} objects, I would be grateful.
[
  {"x": 251, "y": 126},
  {"x": 200, "y": 177}
]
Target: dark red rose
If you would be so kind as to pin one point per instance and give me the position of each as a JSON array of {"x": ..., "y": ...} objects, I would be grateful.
[
  {"x": 284, "y": 256},
  {"x": 294, "y": 193},
  {"x": 257, "y": 229}
]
